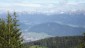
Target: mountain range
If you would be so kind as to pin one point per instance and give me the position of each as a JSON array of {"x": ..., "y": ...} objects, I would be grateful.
[{"x": 47, "y": 25}]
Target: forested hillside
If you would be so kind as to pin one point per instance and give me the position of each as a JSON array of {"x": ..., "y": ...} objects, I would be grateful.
[{"x": 57, "y": 42}]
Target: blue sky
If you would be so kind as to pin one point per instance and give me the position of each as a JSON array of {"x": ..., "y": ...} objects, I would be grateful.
[{"x": 45, "y": 6}]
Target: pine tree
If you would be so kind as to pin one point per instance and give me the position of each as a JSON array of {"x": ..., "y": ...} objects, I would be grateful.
[
  {"x": 10, "y": 35},
  {"x": 3, "y": 41},
  {"x": 83, "y": 42}
]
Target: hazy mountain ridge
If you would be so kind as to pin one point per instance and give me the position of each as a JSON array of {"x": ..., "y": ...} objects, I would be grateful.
[
  {"x": 64, "y": 23},
  {"x": 56, "y": 29}
]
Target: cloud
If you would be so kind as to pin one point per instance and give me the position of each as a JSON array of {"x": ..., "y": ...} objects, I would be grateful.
[
  {"x": 70, "y": 25},
  {"x": 73, "y": 25},
  {"x": 28, "y": 5},
  {"x": 32, "y": 36},
  {"x": 47, "y": 6}
]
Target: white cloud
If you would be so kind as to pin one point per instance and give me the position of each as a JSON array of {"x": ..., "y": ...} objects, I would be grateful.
[
  {"x": 46, "y": 7},
  {"x": 32, "y": 36},
  {"x": 28, "y": 5},
  {"x": 71, "y": 25}
]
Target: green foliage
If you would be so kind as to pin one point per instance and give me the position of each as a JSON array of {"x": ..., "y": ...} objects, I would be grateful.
[
  {"x": 37, "y": 46},
  {"x": 82, "y": 45},
  {"x": 10, "y": 35},
  {"x": 59, "y": 42}
]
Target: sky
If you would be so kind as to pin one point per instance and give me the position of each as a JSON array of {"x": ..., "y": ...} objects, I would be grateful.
[{"x": 44, "y": 6}]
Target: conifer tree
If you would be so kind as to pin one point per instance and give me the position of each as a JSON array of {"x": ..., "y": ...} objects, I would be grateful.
[
  {"x": 83, "y": 42},
  {"x": 10, "y": 35},
  {"x": 3, "y": 27}
]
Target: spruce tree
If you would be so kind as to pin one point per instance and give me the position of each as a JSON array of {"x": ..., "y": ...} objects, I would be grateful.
[
  {"x": 10, "y": 35},
  {"x": 83, "y": 42},
  {"x": 3, "y": 34}
]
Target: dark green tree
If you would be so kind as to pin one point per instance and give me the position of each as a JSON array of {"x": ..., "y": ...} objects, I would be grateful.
[
  {"x": 83, "y": 42},
  {"x": 3, "y": 27},
  {"x": 10, "y": 34}
]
